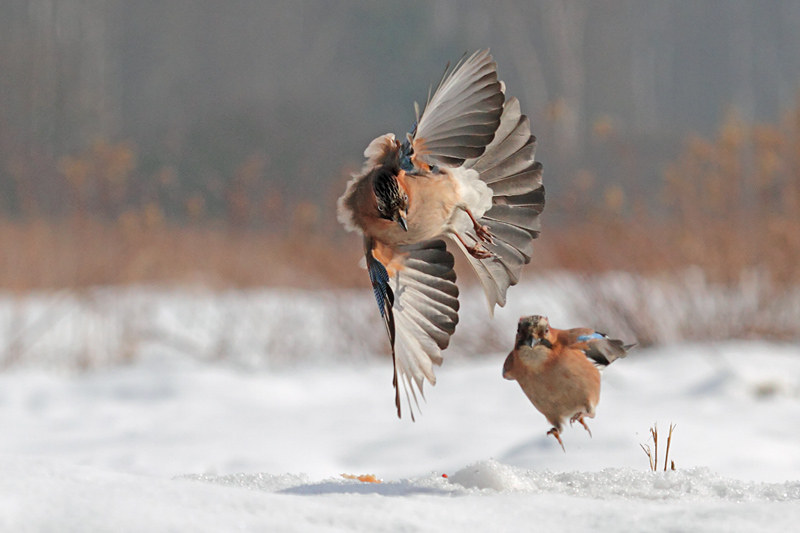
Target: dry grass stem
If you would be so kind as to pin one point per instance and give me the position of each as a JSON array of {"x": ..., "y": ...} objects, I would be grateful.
[
  {"x": 654, "y": 434},
  {"x": 647, "y": 452},
  {"x": 652, "y": 454},
  {"x": 669, "y": 441}
]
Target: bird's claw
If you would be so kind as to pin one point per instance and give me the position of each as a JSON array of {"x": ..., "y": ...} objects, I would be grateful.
[
  {"x": 484, "y": 233},
  {"x": 579, "y": 418},
  {"x": 554, "y": 432},
  {"x": 479, "y": 252}
]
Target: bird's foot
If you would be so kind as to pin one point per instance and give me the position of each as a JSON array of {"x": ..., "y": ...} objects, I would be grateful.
[
  {"x": 554, "y": 432},
  {"x": 479, "y": 252},
  {"x": 579, "y": 418},
  {"x": 484, "y": 233}
]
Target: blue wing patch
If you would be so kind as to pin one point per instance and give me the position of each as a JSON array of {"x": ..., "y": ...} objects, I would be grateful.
[
  {"x": 380, "y": 285},
  {"x": 406, "y": 151},
  {"x": 384, "y": 295},
  {"x": 593, "y": 336},
  {"x": 379, "y": 278}
]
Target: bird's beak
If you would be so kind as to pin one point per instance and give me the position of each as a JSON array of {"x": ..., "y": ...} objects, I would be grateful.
[
  {"x": 400, "y": 218},
  {"x": 529, "y": 341}
]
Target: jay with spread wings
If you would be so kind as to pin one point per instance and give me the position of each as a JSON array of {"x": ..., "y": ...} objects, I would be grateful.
[{"x": 465, "y": 172}]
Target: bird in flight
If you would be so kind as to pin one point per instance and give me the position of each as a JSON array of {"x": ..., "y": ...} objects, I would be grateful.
[
  {"x": 465, "y": 172},
  {"x": 559, "y": 369}
]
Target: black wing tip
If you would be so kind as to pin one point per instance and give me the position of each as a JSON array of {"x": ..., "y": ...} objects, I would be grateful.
[
  {"x": 603, "y": 352},
  {"x": 598, "y": 358},
  {"x": 625, "y": 348}
]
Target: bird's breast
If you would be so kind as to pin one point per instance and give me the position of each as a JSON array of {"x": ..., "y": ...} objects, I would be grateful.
[{"x": 562, "y": 385}]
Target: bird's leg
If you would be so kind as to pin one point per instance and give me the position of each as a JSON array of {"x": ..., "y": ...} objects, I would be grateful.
[
  {"x": 482, "y": 231},
  {"x": 554, "y": 432},
  {"x": 579, "y": 417},
  {"x": 477, "y": 251}
]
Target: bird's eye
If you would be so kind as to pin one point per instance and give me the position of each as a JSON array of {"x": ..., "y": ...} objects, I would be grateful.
[{"x": 405, "y": 198}]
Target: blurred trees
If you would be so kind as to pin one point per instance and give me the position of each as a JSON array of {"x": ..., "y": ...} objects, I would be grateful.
[
  {"x": 146, "y": 141},
  {"x": 232, "y": 109}
]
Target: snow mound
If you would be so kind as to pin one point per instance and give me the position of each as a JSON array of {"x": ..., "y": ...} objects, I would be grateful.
[
  {"x": 490, "y": 475},
  {"x": 695, "y": 484}
]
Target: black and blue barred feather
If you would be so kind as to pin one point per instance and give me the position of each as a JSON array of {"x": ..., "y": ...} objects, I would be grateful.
[{"x": 384, "y": 296}]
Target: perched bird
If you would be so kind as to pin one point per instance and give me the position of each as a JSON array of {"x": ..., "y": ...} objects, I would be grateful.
[
  {"x": 559, "y": 370},
  {"x": 465, "y": 172}
]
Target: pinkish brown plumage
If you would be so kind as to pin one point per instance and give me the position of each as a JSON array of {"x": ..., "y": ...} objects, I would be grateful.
[
  {"x": 465, "y": 172},
  {"x": 559, "y": 370}
]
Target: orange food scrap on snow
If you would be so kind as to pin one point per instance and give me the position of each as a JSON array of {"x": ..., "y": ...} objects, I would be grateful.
[{"x": 364, "y": 478}]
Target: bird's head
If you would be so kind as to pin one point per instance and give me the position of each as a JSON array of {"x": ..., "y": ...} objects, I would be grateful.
[
  {"x": 391, "y": 199},
  {"x": 532, "y": 329}
]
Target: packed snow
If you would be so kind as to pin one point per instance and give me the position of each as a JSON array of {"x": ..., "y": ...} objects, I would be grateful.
[{"x": 173, "y": 441}]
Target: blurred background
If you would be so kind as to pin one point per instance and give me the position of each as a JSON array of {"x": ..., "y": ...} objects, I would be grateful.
[{"x": 169, "y": 170}]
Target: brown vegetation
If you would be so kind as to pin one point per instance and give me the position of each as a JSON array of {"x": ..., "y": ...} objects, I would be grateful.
[
  {"x": 653, "y": 455},
  {"x": 728, "y": 205},
  {"x": 80, "y": 253}
]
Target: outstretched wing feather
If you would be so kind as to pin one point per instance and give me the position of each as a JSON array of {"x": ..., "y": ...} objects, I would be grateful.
[
  {"x": 463, "y": 114},
  {"x": 603, "y": 351},
  {"x": 418, "y": 299}
]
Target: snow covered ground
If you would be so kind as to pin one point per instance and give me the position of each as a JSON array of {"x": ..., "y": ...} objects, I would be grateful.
[{"x": 175, "y": 443}]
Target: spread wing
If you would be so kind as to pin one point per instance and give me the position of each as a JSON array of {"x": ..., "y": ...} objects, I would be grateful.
[
  {"x": 509, "y": 169},
  {"x": 461, "y": 118},
  {"x": 416, "y": 293},
  {"x": 601, "y": 350}
]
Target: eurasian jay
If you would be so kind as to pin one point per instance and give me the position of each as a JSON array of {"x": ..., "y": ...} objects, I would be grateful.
[
  {"x": 559, "y": 370},
  {"x": 465, "y": 172}
]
